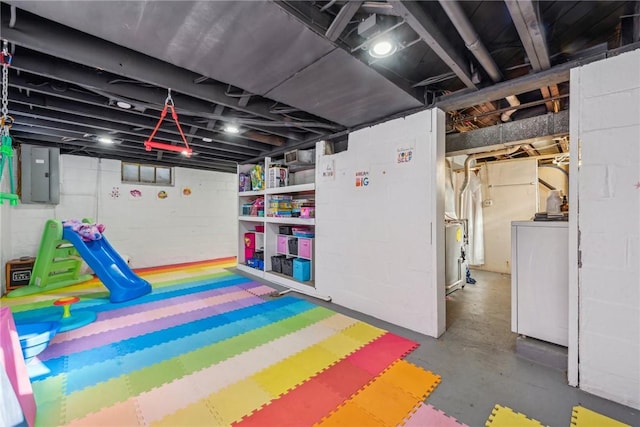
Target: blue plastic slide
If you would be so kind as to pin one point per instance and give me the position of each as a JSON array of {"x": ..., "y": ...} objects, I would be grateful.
[{"x": 109, "y": 266}]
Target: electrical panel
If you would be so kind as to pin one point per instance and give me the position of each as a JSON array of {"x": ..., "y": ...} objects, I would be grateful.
[{"x": 40, "y": 174}]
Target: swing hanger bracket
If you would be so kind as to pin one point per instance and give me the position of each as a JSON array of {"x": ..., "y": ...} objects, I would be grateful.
[
  {"x": 6, "y": 57},
  {"x": 150, "y": 144}
]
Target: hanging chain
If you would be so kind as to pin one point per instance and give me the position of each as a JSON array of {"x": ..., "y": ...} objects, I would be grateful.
[{"x": 6, "y": 61}]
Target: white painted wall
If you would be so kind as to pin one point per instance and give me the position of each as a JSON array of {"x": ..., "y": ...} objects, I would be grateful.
[
  {"x": 606, "y": 110},
  {"x": 377, "y": 246},
  {"x": 150, "y": 231},
  {"x": 508, "y": 185}
]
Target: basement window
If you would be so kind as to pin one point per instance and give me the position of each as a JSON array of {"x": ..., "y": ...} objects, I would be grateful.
[{"x": 137, "y": 173}]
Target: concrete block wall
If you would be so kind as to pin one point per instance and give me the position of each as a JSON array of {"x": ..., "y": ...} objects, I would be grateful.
[
  {"x": 150, "y": 231},
  {"x": 608, "y": 113},
  {"x": 377, "y": 245}
]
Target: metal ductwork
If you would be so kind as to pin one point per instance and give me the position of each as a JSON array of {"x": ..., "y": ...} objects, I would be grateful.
[
  {"x": 476, "y": 47},
  {"x": 467, "y": 170}
]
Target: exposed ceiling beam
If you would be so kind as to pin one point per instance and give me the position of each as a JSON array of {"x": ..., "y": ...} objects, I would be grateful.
[
  {"x": 528, "y": 23},
  {"x": 528, "y": 148},
  {"x": 267, "y": 139},
  {"x": 96, "y": 112},
  {"x": 524, "y": 131},
  {"x": 563, "y": 144},
  {"x": 62, "y": 42},
  {"x": 123, "y": 154},
  {"x": 26, "y": 121},
  {"x": 244, "y": 99},
  {"x": 29, "y": 109},
  {"x": 154, "y": 97},
  {"x": 308, "y": 13},
  {"x": 427, "y": 29},
  {"x": 469, "y": 98},
  {"x": 379, "y": 7},
  {"x": 63, "y": 134},
  {"x": 342, "y": 19},
  {"x": 134, "y": 153},
  {"x": 558, "y": 74}
]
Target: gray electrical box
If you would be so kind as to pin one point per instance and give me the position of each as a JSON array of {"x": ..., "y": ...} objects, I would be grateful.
[{"x": 40, "y": 179}]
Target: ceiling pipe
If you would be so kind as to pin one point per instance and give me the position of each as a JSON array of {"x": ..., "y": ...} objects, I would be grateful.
[
  {"x": 476, "y": 47},
  {"x": 467, "y": 170},
  {"x": 12, "y": 20}
]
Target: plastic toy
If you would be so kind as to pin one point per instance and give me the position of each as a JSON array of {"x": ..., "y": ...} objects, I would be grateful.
[
  {"x": 257, "y": 178},
  {"x": 57, "y": 264},
  {"x": 87, "y": 231},
  {"x": 60, "y": 257},
  {"x": 35, "y": 337},
  {"x": 79, "y": 319}
]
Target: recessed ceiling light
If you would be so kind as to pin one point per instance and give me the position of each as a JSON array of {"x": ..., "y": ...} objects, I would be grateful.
[
  {"x": 105, "y": 140},
  {"x": 185, "y": 153},
  {"x": 382, "y": 49},
  {"x": 123, "y": 104},
  {"x": 207, "y": 140},
  {"x": 231, "y": 129}
]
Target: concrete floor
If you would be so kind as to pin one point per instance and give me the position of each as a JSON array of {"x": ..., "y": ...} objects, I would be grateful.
[{"x": 479, "y": 367}]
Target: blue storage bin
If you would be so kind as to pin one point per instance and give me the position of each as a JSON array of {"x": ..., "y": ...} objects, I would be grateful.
[{"x": 302, "y": 269}]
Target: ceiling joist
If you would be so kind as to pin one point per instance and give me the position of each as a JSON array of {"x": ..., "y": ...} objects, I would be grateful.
[
  {"x": 526, "y": 18},
  {"x": 424, "y": 26}
]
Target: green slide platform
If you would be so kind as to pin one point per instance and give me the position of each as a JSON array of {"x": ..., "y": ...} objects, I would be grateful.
[{"x": 57, "y": 263}]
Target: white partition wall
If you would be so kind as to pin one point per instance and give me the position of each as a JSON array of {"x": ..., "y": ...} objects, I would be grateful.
[
  {"x": 605, "y": 124},
  {"x": 381, "y": 223}
]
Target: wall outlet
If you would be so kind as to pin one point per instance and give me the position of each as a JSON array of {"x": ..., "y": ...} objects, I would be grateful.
[{"x": 486, "y": 203}]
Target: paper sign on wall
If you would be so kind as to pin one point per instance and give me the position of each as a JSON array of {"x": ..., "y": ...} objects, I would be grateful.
[
  {"x": 362, "y": 178},
  {"x": 327, "y": 169},
  {"x": 405, "y": 152}
]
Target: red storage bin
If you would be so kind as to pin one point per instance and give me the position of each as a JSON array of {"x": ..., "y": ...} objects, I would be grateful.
[
  {"x": 250, "y": 240},
  {"x": 248, "y": 253}
]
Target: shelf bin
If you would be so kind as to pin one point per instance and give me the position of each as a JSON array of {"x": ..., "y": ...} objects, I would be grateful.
[
  {"x": 276, "y": 263},
  {"x": 305, "y": 248},
  {"x": 282, "y": 244},
  {"x": 293, "y": 246},
  {"x": 301, "y": 269},
  {"x": 287, "y": 266}
]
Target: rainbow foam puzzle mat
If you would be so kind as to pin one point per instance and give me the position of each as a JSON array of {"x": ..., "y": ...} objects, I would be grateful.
[{"x": 207, "y": 347}]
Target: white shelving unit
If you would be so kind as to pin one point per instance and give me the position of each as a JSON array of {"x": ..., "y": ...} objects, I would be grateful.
[
  {"x": 292, "y": 221},
  {"x": 299, "y": 188},
  {"x": 271, "y": 235}
]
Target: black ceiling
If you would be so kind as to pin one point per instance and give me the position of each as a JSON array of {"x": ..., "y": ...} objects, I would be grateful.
[{"x": 288, "y": 73}]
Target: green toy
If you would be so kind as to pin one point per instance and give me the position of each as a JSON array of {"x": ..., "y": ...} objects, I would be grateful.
[
  {"x": 6, "y": 154},
  {"x": 57, "y": 263}
]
